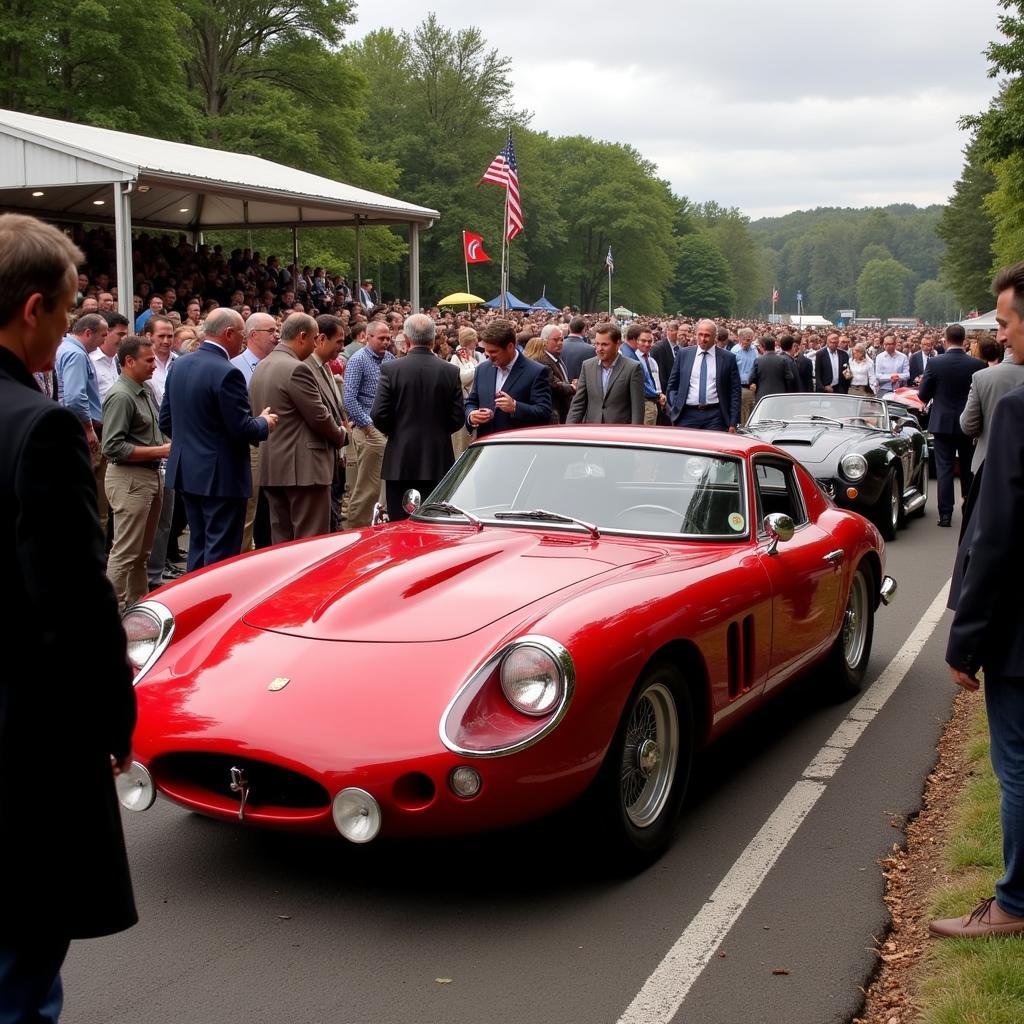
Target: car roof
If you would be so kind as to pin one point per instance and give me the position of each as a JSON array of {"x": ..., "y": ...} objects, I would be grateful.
[{"x": 712, "y": 441}]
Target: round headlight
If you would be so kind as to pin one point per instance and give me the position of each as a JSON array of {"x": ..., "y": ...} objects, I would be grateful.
[
  {"x": 142, "y": 628},
  {"x": 356, "y": 815},
  {"x": 531, "y": 680},
  {"x": 135, "y": 788},
  {"x": 854, "y": 466}
]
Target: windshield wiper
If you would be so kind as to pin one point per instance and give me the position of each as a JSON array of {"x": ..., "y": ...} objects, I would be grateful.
[
  {"x": 552, "y": 517},
  {"x": 447, "y": 506},
  {"x": 820, "y": 419},
  {"x": 767, "y": 421}
]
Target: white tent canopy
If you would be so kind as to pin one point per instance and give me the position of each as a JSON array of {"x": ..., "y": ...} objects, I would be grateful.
[
  {"x": 986, "y": 322},
  {"x": 71, "y": 172},
  {"x": 809, "y": 321}
]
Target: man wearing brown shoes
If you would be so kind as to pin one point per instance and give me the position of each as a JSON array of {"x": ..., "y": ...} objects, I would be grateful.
[{"x": 988, "y": 627}]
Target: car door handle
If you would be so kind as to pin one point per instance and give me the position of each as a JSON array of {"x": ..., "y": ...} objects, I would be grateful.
[{"x": 834, "y": 556}]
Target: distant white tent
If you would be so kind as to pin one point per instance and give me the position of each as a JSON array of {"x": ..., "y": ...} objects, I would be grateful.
[
  {"x": 981, "y": 323},
  {"x": 809, "y": 321}
]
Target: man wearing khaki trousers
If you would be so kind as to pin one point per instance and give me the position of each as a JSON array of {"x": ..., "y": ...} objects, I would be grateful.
[
  {"x": 362, "y": 375},
  {"x": 133, "y": 446}
]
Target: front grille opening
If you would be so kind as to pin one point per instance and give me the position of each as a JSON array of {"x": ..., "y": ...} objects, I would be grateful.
[{"x": 269, "y": 784}]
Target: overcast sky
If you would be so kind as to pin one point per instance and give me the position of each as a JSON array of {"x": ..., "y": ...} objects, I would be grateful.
[{"x": 770, "y": 107}]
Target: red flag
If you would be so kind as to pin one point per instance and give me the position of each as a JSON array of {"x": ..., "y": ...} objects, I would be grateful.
[
  {"x": 474, "y": 248},
  {"x": 775, "y": 295},
  {"x": 503, "y": 170}
]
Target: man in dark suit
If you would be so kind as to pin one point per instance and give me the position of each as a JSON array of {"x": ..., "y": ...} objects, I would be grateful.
[
  {"x": 610, "y": 387},
  {"x": 576, "y": 348},
  {"x": 508, "y": 390},
  {"x": 946, "y": 383},
  {"x": 329, "y": 339},
  {"x": 803, "y": 368},
  {"x": 919, "y": 360},
  {"x": 988, "y": 624},
  {"x": 418, "y": 406},
  {"x": 67, "y": 684},
  {"x": 561, "y": 388},
  {"x": 297, "y": 462},
  {"x": 663, "y": 351},
  {"x": 773, "y": 374},
  {"x": 704, "y": 387},
  {"x": 206, "y": 414},
  {"x": 831, "y": 366}
]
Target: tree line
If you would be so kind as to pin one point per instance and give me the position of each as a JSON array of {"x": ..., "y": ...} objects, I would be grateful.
[{"x": 420, "y": 114}]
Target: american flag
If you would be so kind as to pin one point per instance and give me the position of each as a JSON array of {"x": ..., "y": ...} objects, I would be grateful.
[
  {"x": 609, "y": 262},
  {"x": 504, "y": 170},
  {"x": 775, "y": 295}
]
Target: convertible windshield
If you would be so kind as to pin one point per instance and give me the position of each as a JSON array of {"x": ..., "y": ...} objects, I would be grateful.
[
  {"x": 612, "y": 488},
  {"x": 821, "y": 407}
]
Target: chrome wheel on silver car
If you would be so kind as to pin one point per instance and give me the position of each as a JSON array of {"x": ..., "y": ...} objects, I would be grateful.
[{"x": 649, "y": 755}]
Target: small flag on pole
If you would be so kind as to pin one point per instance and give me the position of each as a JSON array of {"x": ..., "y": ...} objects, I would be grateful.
[
  {"x": 503, "y": 170},
  {"x": 775, "y": 295},
  {"x": 474, "y": 246},
  {"x": 609, "y": 262}
]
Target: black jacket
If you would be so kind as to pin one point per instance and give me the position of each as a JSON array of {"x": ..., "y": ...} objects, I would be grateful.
[
  {"x": 988, "y": 627},
  {"x": 66, "y": 697},
  {"x": 664, "y": 354},
  {"x": 947, "y": 383},
  {"x": 419, "y": 406},
  {"x": 823, "y": 371},
  {"x": 773, "y": 374}
]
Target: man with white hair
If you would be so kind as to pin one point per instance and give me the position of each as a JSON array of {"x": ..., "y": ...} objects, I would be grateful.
[
  {"x": 561, "y": 387},
  {"x": 418, "y": 406}
]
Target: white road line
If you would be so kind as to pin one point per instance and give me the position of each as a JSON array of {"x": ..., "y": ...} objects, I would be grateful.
[{"x": 664, "y": 991}]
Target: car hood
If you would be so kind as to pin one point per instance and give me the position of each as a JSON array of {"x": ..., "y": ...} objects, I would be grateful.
[
  {"x": 415, "y": 586},
  {"x": 808, "y": 443}
]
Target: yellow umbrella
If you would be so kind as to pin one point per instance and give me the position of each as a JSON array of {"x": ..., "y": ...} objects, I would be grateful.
[{"x": 459, "y": 299}]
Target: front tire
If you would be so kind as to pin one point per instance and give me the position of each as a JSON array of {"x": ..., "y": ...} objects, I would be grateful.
[
  {"x": 847, "y": 662},
  {"x": 647, "y": 768},
  {"x": 889, "y": 510},
  {"x": 922, "y": 486}
]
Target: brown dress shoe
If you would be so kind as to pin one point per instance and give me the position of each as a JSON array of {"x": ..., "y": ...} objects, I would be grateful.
[{"x": 987, "y": 918}]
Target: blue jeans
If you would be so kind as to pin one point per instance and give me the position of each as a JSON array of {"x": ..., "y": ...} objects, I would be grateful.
[
  {"x": 30, "y": 989},
  {"x": 1004, "y": 700}
]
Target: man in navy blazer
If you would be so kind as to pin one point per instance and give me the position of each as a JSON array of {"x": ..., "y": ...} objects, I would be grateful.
[
  {"x": 207, "y": 416},
  {"x": 946, "y": 383},
  {"x": 919, "y": 360},
  {"x": 510, "y": 390},
  {"x": 988, "y": 625},
  {"x": 713, "y": 404}
]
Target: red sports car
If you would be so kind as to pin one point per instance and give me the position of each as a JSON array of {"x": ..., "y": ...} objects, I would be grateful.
[{"x": 574, "y": 610}]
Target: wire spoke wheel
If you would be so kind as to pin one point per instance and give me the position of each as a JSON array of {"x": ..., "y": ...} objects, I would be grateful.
[{"x": 649, "y": 755}]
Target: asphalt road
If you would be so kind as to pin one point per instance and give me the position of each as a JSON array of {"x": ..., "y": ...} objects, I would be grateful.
[{"x": 250, "y": 927}]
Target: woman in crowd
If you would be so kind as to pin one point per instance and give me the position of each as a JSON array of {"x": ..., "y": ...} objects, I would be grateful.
[
  {"x": 467, "y": 359},
  {"x": 862, "y": 370}
]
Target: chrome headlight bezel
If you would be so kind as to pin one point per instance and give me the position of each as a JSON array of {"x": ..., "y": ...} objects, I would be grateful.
[
  {"x": 853, "y": 466},
  {"x": 162, "y": 622}
]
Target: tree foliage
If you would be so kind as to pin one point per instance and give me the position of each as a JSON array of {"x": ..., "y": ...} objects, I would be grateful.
[
  {"x": 934, "y": 303},
  {"x": 882, "y": 288},
  {"x": 703, "y": 279}
]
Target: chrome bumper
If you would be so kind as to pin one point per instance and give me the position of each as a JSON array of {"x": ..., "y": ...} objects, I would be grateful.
[{"x": 888, "y": 590}]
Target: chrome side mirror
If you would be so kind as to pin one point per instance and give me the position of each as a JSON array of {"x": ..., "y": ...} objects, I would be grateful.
[
  {"x": 380, "y": 515},
  {"x": 411, "y": 500},
  {"x": 780, "y": 529}
]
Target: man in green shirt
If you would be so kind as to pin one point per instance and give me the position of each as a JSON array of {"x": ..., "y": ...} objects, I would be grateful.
[{"x": 133, "y": 446}]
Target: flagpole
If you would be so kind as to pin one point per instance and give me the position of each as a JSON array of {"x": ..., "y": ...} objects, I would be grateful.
[
  {"x": 465, "y": 258},
  {"x": 609, "y": 290},
  {"x": 774, "y": 292}
]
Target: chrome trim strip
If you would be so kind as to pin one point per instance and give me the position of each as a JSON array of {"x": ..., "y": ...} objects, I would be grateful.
[
  {"x": 165, "y": 622},
  {"x": 562, "y": 658}
]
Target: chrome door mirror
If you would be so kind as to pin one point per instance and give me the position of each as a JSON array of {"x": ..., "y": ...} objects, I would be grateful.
[
  {"x": 780, "y": 529},
  {"x": 380, "y": 515},
  {"x": 411, "y": 500}
]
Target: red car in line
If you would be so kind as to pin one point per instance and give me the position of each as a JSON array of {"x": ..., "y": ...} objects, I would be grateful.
[{"x": 573, "y": 611}]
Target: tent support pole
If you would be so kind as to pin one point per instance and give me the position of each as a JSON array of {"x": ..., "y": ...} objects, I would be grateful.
[
  {"x": 358, "y": 283},
  {"x": 414, "y": 266},
  {"x": 123, "y": 245}
]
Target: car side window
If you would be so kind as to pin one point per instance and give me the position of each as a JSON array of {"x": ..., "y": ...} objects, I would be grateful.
[{"x": 778, "y": 490}]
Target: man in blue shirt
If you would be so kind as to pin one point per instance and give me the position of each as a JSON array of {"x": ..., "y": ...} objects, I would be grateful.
[
  {"x": 156, "y": 305},
  {"x": 362, "y": 375},
  {"x": 746, "y": 356},
  {"x": 77, "y": 375}
]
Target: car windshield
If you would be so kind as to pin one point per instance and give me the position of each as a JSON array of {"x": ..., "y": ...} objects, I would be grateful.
[
  {"x": 617, "y": 489},
  {"x": 844, "y": 409}
]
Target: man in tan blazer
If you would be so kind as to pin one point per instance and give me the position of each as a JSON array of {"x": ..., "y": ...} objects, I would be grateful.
[
  {"x": 610, "y": 387},
  {"x": 296, "y": 472},
  {"x": 329, "y": 340}
]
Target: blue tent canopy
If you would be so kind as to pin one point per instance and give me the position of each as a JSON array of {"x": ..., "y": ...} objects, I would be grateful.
[
  {"x": 511, "y": 302},
  {"x": 548, "y": 307}
]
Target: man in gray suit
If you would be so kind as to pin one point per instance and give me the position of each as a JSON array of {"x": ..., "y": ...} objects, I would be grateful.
[
  {"x": 987, "y": 387},
  {"x": 296, "y": 472},
  {"x": 611, "y": 387}
]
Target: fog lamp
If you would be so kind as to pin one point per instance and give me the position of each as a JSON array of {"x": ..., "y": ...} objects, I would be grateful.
[
  {"x": 852, "y": 492},
  {"x": 464, "y": 781},
  {"x": 135, "y": 788},
  {"x": 356, "y": 815}
]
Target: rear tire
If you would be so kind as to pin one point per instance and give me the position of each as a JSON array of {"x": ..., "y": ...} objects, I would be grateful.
[
  {"x": 847, "y": 662},
  {"x": 643, "y": 780}
]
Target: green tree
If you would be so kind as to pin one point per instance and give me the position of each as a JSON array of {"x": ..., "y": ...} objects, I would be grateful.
[
  {"x": 703, "y": 286},
  {"x": 729, "y": 229},
  {"x": 934, "y": 303},
  {"x": 882, "y": 288},
  {"x": 967, "y": 228}
]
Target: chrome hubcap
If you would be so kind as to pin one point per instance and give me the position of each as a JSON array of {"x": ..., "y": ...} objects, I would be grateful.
[
  {"x": 649, "y": 755},
  {"x": 855, "y": 622}
]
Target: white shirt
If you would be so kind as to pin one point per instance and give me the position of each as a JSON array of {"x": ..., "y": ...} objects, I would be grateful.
[
  {"x": 106, "y": 371},
  {"x": 886, "y": 365},
  {"x": 159, "y": 379},
  {"x": 502, "y": 374},
  {"x": 711, "y": 394},
  {"x": 652, "y": 369},
  {"x": 833, "y": 358},
  {"x": 863, "y": 373}
]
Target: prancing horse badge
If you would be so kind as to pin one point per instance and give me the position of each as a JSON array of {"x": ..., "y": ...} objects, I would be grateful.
[{"x": 278, "y": 684}]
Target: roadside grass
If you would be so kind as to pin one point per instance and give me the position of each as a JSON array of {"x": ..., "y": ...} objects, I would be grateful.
[{"x": 972, "y": 981}]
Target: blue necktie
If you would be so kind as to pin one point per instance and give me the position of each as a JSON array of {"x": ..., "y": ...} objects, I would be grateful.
[{"x": 702, "y": 380}]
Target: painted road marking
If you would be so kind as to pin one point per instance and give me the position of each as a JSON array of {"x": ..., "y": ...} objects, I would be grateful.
[{"x": 664, "y": 991}]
